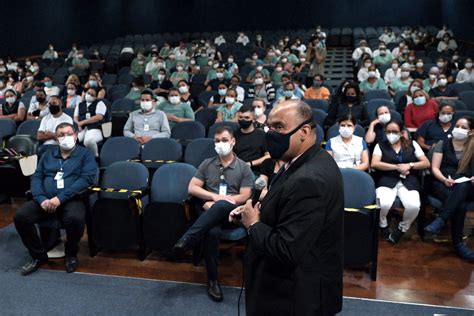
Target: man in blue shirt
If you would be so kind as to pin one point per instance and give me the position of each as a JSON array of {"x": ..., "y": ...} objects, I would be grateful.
[{"x": 61, "y": 174}]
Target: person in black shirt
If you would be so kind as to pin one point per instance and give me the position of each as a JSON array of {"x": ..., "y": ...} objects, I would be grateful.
[
  {"x": 220, "y": 78},
  {"x": 350, "y": 104},
  {"x": 443, "y": 90},
  {"x": 250, "y": 143},
  {"x": 162, "y": 85},
  {"x": 432, "y": 131}
]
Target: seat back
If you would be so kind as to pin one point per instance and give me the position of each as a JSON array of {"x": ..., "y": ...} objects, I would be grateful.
[
  {"x": 319, "y": 116},
  {"x": 24, "y": 144},
  {"x": 376, "y": 94},
  {"x": 233, "y": 125},
  {"x": 187, "y": 131},
  {"x": 29, "y": 127},
  {"x": 170, "y": 183},
  {"x": 7, "y": 129},
  {"x": 123, "y": 175},
  {"x": 198, "y": 150},
  {"x": 118, "y": 149},
  {"x": 161, "y": 149},
  {"x": 318, "y": 104}
]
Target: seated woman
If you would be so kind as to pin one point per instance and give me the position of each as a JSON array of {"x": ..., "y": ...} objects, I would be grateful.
[
  {"x": 176, "y": 110},
  {"x": 227, "y": 111},
  {"x": 419, "y": 71},
  {"x": 219, "y": 98},
  {"x": 261, "y": 89},
  {"x": 402, "y": 83},
  {"x": 350, "y": 103},
  {"x": 421, "y": 110},
  {"x": 347, "y": 149},
  {"x": 186, "y": 97},
  {"x": 288, "y": 93},
  {"x": 466, "y": 74},
  {"x": 89, "y": 115},
  {"x": 260, "y": 116},
  {"x": 363, "y": 73},
  {"x": 179, "y": 74},
  {"x": 376, "y": 130},
  {"x": 317, "y": 90},
  {"x": 443, "y": 90},
  {"x": 397, "y": 161},
  {"x": 12, "y": 108},
  {"x": 96, "y": 83},
  {"x": 432, "y": 80},
  {"x": 38, "y": 108},
  {"x": 432, "y": 131},
  {"x": 453, "y": 159},
  {"x": 138, "y": 84},
  {"x": 372, "y": 82},
  {"x": 72, "y": 99},
  {"x": 277, "y": 73},
  {"x": 406, "y": 99}
]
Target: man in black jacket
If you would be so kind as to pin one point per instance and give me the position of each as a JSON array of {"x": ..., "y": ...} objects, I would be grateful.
[{"x": 294, "y": 260}]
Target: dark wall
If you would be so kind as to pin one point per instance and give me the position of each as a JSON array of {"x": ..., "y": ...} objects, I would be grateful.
[
  {"x": 459, "y": 15},
  {"x": 31, "y": 25}
]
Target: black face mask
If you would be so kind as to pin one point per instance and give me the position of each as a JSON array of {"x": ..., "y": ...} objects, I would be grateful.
[
  {"x": 278, "y": 143},
  {"x": 245, "y": 124},
  {"x": 54, "y": 108},
  {"x": 40, "y": 99},
  {"x": 351, "y": 98}
]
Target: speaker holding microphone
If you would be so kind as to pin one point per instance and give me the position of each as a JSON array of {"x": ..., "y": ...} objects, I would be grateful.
[{"x": 258, "y": 187}]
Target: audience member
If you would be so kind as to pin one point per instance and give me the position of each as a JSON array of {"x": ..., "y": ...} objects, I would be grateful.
[
  {"x": 47, "y": 129},
  {"x": 421, "y": 110},
  {"x": 38, "y": 107},
  {"x": 317, "y": 90},
  {"x": 376, "y": 130},
  {"x": 13, "y": 108},
  {"x": 372, "y": 82},
  {"x": 466, "y": 75},
  {"x": 350, "y": 103},
  {"x": 432, "y": 131},
  {"x": 176, "y": 111},
  {"x": 227, "y": 111},
  {"x": 261, "y": 89},
  {"x": 443, "y": 91}
]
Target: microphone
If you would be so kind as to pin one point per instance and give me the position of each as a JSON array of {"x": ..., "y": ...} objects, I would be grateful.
[{"x": 258, "y": 187}]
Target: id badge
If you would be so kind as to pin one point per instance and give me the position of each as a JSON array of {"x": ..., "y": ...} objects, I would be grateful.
[
  {"x": 59, "y": 176},
  {"x": 223, "y": 189},
  {"x": 146, "y": 127},
  {"x": 60, "y": 184},
  {"x": 88, "y": 115}
]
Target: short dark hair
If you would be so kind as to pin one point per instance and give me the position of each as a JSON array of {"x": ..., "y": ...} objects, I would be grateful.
[
  {"x": 222, "y": 129},
  {"x": 148, "y": 92},
  {"x": 63, "y": 125},
  {"x": 304, "y": 112},
  {"x": 319, "y": 75},
  {"x": 287, "y": 76},
  {"x": 246, "y": 108},
  {"x": 173, "y": 89},
  {"x": 347, "y": 117}
]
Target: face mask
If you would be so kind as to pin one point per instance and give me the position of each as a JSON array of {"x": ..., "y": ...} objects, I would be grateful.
[
  {"x": 34, "y": 68},
  {"x": 383, "y": 52},
  {"x": 351, "y": 98},
  {"x": 455, "y": 57},
  {"x": 445, "y": 118},
  {"x": 245, "y": 124},
  {"x": 229, "y": 100},
  {"x": 171, "y": 57},
  {"x": 419, "y": 65},
  {"x": 259, "y": 38},
  {"x": 393, "y": 138},
  {"x": 372, "y": 74},
  {"x": 346, "y": 132},
  {"x": 179, "y": 68},
  {"x": 278, "y": 69},
  {"x": 316, "y": 83},
  {"x": 160, "y": 65},
  {"x": 67, "y": 142},
  {"x": 161, "y": 77},
  {"x": 28, "y": 63},
  {"x": 394, "y": 66},
  {"x": 219, "y": 75},
  {"x": 258, "y": 81},
  {"x": 215, "y": 66},
  {"x": 278, "y": 143},
  {"x": 89, "y": 98},
  {"x": 40, "y": 99},
  {"x": 288, "y": 93},
  {"x": 230, "y": 60},
  {"x": 141, "y": 62},
  {"x": 223, "y": 149},
  {"x": 80, "y": 56},
  {"x": 11, "y": 100},
  {"x": 433, "y": 77},
  {"x": 302, "y": 60},
  {"x": 48, "y": 84},
  {"x": 30, "y": 78},
  {"x": 419, "y": 100},
  {"x": 442, "y": 82},
  {"x": 440, "y": 64},
  {"x": 146, "y": 105},
  {"x": 254, "y": 57},
  {"x": 192, "y": 62},
  {"x": 183, "y": 89},
  {"x": 93, "y": 83},
  {"x": 284, "y": 60},
  {"x": 411, "y": 58},
  {"x": 468, "y": 65},
  {"x": 258, "y": 111},
  {"x": 222, "y": 92},
  {"x": 175, "y": 99},
  {"x": 405, "y": 74},
  {"x": 367, "y": 65},
  {"x": 259, "y": 68},
  {"x": 385, "y": 118},
  {"x": 54, "y": 108},
  {"x": 460, "y": 133}
]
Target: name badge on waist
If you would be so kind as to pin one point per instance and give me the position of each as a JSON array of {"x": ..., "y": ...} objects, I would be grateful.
[
  {"x": 60, "y": 184},
  {"x": 146, "y": 127},
  {"x": 88, "y": 115}
]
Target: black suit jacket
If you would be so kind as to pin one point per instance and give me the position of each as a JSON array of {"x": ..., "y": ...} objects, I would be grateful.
[{"x": 294, "y": 259}]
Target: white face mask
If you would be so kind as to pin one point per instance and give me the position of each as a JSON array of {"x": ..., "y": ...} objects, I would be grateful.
[
  {"x": 30, "y": 78},
  {"x": 278, "y": 69},
  {"x": 11, "y": 100},
  {"x": 442, "y": 82},
  {"x": 67, "y": 142},
  {"x": 258, "y": 111},
  {"x": 367, "y": 65},
  {"x": 405, "y": 74},
  {"x": 460, "y": 133},
  {"x": 175, "y": 99},
  {"x": 413, "y": 89},
  {"x": 89, "y": 98},
  {"x": 259, "y": 68},
  {"x": 393, "y": 138},
  {"x": 440, "y": 64},
  {"x": 179, "y": 68},
  {"x": 229, "y": 100},
  {"x": 372, "y": 74},
  {"x": 346, "y": 132},
  {"x": 146, "y": 105},
  {"x": 468, "y": 65},
  {"x": 258, "y": 80},
  {"x": 223, "y": 149},
  {"x": 394, "y": 66},
  {"x": 445, "y": 118},
  {"x": 433, "y": 77},
  {"x": 183, "y": 89},
  {"x": 230, "y": 60},
  {"x": 385, "y": 118},
  {"x": 219, "y": 75},
  {"x": 161, "y": 77},
  {"x": 71, "y": 92},
  {"x": 419, "y": 65}
]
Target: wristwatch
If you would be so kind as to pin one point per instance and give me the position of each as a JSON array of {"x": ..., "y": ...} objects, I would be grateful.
[{"x": 412, "y": 165}]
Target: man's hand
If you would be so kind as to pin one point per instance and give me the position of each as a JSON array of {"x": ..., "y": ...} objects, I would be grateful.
[
  {"x": 218, "y": 197},
  {"x": 54, "y": 203},
  {"x": 208, "y": 205},
  {"x": 139, "y": 139},
  {"x": 172, "y": 118},
  {"x": 146, "y": 139},
  {"x": 45, "y": 205},
  {"x": 250, "y": 214}
]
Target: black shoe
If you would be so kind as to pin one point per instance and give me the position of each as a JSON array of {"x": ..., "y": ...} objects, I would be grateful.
[
  {"x": 385, "y": 233},
  {"x": 214, "y": 291},
  {"x": 32, "y": 266},
  {"x": 71, "y": 264},
  {"x": 180, "y": 248},
  {"x": 396, "y": 236}
]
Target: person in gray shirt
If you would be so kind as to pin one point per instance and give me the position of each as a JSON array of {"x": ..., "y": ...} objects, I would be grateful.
[{"x": 148, "y": 122}]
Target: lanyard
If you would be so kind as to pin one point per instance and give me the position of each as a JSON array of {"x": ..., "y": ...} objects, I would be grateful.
[{"x": 62, "y": 163}]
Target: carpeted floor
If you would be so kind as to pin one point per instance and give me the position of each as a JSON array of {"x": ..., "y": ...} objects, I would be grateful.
[{"x": 59, "y": 293}]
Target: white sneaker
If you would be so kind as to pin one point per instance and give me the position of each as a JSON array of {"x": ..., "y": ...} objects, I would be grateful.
[{"x": 57, "y": 252}]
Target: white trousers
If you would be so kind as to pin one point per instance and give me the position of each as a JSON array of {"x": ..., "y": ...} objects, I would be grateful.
[
  {"x": 91, "y": 137},
  {"x": 410, "y": 200}
]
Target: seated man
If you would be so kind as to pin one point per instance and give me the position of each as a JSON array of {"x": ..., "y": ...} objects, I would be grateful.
[
  {"x": 80, "y": 62},
  {"x": 176, "y": 111},
  {"x": 147, "y": 123},
  {"x": 61, "y": 174},
  {"x": 47, "y": 129},
  {"x": 250, "y": 144},
  {"x": 222, "y": 183}
]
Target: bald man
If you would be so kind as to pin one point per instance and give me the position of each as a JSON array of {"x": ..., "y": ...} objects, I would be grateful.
[{"x": 294, "y": 259}]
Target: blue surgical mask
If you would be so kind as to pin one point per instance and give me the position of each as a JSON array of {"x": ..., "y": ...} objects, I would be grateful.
[{"x": 288, "y": 93}]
